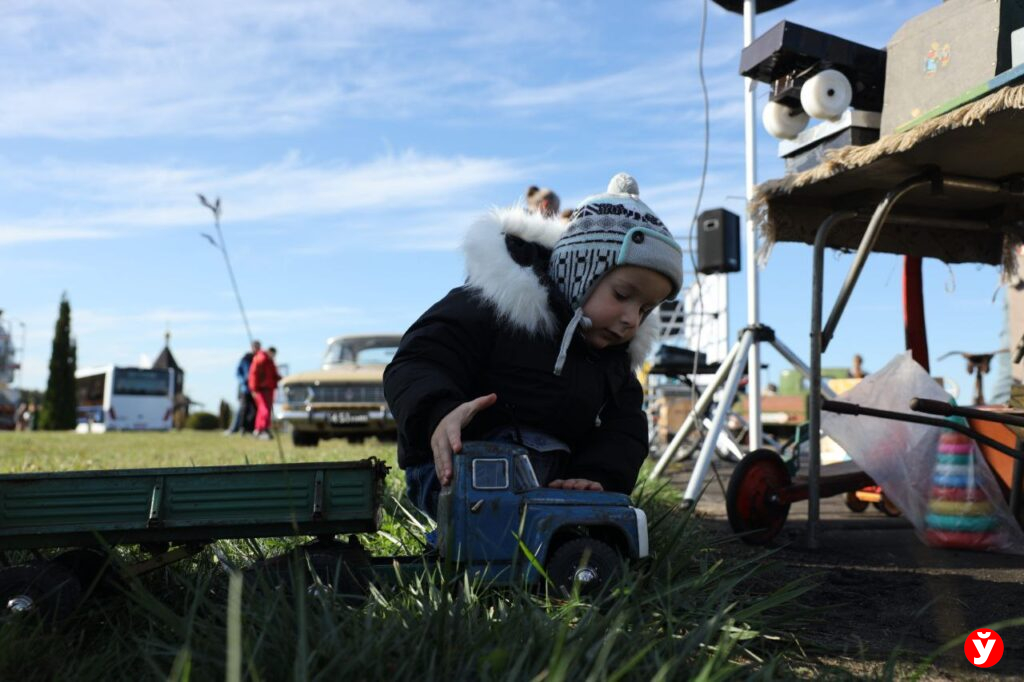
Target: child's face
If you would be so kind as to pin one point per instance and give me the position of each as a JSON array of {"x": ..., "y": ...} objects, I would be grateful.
[{"x": 620, "y": 303}]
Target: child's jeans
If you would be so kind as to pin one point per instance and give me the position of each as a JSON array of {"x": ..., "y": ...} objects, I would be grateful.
[{"x": 422, "y": 487}]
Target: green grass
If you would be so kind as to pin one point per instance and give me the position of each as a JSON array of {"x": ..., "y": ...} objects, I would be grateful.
[
  {"x": 684, "y": 614},
  {"x": 50, "y": 451}
]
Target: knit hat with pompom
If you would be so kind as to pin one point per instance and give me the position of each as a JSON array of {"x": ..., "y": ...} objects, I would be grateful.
[{"x": 608, "y": 230}]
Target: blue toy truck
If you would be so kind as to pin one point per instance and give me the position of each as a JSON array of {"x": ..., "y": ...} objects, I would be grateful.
[{"x": 495, "y": 509}]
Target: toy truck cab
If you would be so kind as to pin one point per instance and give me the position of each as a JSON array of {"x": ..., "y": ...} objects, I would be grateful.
[{"x": 495, "y": 509}]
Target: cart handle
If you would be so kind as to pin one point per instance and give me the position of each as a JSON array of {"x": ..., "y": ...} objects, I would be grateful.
[
  {"x": 949, "y": 410},
  {"x": 856, "y": 410}
]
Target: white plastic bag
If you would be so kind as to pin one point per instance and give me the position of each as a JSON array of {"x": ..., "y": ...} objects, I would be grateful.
[{"x": 902, "y": 458}]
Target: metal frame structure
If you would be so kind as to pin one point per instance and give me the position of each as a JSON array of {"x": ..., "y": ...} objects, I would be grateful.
[{"x": 821, "y": 335}]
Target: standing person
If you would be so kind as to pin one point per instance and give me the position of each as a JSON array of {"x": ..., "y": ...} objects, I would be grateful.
[
  {"x": 263, "y": 378},
  {"x": 21, "y": 417},
  {"x": 246, "y": 415},
  {"x": 539, "y": 346}
]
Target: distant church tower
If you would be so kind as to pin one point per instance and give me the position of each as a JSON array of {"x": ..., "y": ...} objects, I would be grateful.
[{"x": 166, "y": 361}]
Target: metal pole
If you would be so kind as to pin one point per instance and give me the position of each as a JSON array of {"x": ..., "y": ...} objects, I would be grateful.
[
  {"x": 799, "y": 365},
  {"x": 867, "y": 243},
  {"x": 753, "y": 300},
  {"x": 700, "y": 469},
  {"x": 814, "y": 399},
  {"x": 215, "y": 209},
  {"x": 696, "y": 412}
]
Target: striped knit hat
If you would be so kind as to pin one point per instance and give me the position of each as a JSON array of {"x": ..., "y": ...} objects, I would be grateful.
[
  {"x": 611, "y": 229},
  {"x": 605, "y": 231}
]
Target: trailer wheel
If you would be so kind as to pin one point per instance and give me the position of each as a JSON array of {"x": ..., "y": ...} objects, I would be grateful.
[
  {"x": 339, "y": 568},
  {"x": 46, "y": 588},
  {"x": 587, "y": 564},
  {"x": 303, "y": 439},
  {"x": 93, "y": 568},
  {"x": 750, "y": 501},
  {"x": 854, "y": 503}
]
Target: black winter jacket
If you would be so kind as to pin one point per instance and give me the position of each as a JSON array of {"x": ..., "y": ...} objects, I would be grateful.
[{"x": 500, "y": 333}]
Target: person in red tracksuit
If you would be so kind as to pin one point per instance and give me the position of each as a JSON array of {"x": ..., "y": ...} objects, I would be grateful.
[{"x": 263, "y": 378}]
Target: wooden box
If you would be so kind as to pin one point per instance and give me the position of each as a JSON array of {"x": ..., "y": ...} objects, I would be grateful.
[{"x": 941, "y": 53}]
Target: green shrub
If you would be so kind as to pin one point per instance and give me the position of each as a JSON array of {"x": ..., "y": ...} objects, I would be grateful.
[
  {"x": 225, "y": 415},
  {"x": 203, "y": 421}
]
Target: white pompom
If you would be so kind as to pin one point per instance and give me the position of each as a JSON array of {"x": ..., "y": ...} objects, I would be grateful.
[{"x": 624, "y": 183}]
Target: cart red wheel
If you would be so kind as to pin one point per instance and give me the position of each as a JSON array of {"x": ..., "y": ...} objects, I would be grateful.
[
  {"x": 750, "y": 499},
  {"x": 854, "y": 503},
  {"x": 888, "y": 508}
]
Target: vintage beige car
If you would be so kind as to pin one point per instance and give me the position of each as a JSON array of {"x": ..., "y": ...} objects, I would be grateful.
[{"x": 345, "y": 397}]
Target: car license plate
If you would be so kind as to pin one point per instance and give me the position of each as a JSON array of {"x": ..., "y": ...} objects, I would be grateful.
[{"x": 344, "y": 417}]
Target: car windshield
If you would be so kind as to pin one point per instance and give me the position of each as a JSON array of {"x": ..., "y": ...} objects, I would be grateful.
[{"x": 342, "y": 351}]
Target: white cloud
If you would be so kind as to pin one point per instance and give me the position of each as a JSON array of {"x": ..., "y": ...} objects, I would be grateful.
[
  {"x": 24, "y": 233},
  {"x": 119, "y": 200}
]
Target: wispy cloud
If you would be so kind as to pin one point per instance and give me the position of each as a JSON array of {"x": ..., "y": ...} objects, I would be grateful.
[{"x": 119, "y": 200}]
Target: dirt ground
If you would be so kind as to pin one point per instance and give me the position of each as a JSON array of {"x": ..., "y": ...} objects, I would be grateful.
[{"x": 884, "y": 588}]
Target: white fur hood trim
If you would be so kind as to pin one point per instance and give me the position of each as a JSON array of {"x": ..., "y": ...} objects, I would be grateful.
[{"x": 516, "y": 292}]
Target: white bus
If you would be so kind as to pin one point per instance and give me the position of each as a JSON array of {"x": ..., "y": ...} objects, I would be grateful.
[{"x": 124, "y": 399}]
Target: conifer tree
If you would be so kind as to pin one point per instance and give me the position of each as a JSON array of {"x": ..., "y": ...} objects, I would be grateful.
[{"x": 60, "y": 403}]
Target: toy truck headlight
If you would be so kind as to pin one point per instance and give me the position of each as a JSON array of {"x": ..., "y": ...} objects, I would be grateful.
[{"x": 641, "y": 533}]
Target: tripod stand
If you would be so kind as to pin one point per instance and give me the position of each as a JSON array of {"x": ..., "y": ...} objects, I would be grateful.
[{"x": 727, "y": 378}]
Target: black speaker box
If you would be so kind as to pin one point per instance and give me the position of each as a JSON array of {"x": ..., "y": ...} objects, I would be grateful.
[{"x": 718, "y": 242}]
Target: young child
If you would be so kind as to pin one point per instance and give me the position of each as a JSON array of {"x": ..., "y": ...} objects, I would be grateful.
[{"x": 542, "y": 338}]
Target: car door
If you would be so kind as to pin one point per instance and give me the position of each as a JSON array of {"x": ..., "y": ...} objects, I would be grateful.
[{"x": 492, "y": 518}]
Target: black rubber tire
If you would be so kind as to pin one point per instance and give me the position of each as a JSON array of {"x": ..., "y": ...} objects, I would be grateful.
[
  {"x": 53, "y": 589},
  {"x": 340, "y": 568},
  {"x": 752, "y": 512},
  {"x": 304, "y": 439},
  {"x": 93, "y": 569},
  {"x": 854, "y": 504},
  {"x": 593, "y": 559},
  {"x": 888, "y": 508}
]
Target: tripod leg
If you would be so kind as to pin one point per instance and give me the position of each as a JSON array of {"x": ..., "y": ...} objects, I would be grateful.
[
  {"x": 696, "y": 413},
  {"x": 799, "y": 365},
  {"x": 700, "y": 469}
]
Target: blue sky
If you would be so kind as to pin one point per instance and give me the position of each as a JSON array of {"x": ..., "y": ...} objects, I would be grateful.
[{"x": 352, "y": 143}]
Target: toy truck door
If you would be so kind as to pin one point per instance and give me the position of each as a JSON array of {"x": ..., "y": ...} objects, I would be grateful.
[{"x": 492, "y": 512}]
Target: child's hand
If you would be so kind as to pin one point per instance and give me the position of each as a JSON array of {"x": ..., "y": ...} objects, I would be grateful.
[
  {"x": 447, "y": 436},
  {"x": 576, "y": 484}
]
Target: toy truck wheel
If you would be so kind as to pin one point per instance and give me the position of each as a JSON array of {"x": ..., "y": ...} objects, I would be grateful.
[
  {"x": 584, "y": 563},
  {"x": 91, "y": 567},
  {"x": 46, "y": 588},
  {"x": 339, "y": 569},
  {"x": 782, "y": 122},
  {"x": 750, "y": 500},
  {"x": 826, "y": 95},
  {"x": 302, "y": 439}
]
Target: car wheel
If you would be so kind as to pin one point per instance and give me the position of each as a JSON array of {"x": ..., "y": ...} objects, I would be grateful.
[{"x": 303, "y": 439}]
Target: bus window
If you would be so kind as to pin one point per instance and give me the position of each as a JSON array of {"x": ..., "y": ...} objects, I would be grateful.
[
  {"x": 131, "y": 381},
  {"x": 90, "y": 390}
]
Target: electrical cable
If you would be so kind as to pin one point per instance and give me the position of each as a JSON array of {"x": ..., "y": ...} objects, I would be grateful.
[{"x": 696, "y": 210}]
